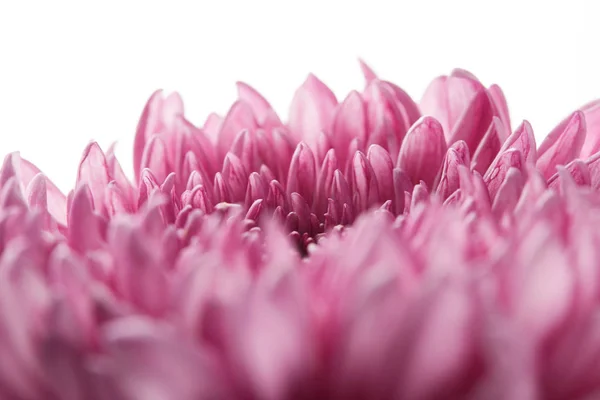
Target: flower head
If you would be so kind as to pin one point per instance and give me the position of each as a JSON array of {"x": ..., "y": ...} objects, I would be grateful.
[{"x": 371, "y": 248}]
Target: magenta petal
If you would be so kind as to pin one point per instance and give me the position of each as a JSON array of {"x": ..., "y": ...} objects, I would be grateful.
[
  {"x": 311, "y": 111},
  {"x": 423, "y": 151},
  {"x": 562, "y": 146}
]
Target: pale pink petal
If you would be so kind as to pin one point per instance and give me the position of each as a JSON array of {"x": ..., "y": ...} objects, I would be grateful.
[
  {"x": 446, "y": 98},
  {"x": 349, "y": 123},
  {"x": 85, "y": 229},
  {"x": 311, "y": 111},
  {"x": 261, "y": 107},
  {"x": 561, "y": 147},
  {"x": 367, "y": 72},
  {"x": 57, "y": 201},
  {"x": 501, "y": 107},
  {"x": 157, "y": 118},
  {"x": 239, "y": 118},
  {"x": 93, "y": 171}
]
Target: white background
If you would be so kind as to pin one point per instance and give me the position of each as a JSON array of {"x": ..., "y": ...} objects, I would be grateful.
[{"x": 81, "y": 70}]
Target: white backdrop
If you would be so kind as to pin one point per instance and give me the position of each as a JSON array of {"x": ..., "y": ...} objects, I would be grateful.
[{"x": 72, "y": 71}]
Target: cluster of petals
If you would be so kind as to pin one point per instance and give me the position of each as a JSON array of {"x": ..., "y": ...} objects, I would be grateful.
[{"x": 370, "y": 248}]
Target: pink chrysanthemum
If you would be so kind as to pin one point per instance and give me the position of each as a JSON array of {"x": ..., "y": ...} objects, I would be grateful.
[{"x": 366, "y": 249}]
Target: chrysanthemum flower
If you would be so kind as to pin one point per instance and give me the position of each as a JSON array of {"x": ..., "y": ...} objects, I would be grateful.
[{"x": 366, "y": 249}]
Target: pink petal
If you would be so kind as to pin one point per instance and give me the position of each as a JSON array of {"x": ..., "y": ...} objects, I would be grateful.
[
  {"x": 257, "y": 189},
  {"x": 501, "y": 107},
  {"x": 148, "y": 361},
  {"x": 311, "y": 111},
  {"x": 367, "y": 72},
  {"x": 57, "y": 201},
  {"x": 591, "y": 112},
  {"x": 383, "y": 167},
  {"x": 260, "y": 107},
  {"x": 93, "y": 171},
  {"x": 447, "y": 97},
  {"x": 236, "y": 176},
  {"x": 86, "y": 231},
  {"x": 541, "y": 310},
  {"x": 324, "y": 182},
  {"x": 579, "y": 171},
  {"x": 240, "y": 117},
  {"x": 449, "y": 177},
  {"x": 340, "y": 191},
  {"x": 561, "y": 147},
  {"x": 423, "y": 151},
  {"x": 155, "y": 158},
  {"x": 212, "y": 127},
  {"x": 221, "y": 189},
  {"x": 488, "y": 147},
  {"x": 276, "y": 197},
  {"x": 349, "y": 124},
  {"x": 157, "y": 118},
  {"x": 409, "y": 107},
  {"x": 474, "y": 122},
  {"x": 364, "y": 182},
  {"x": 302, "y": 175},
  {"x": 509, "y": 192},
  {"x": 594, "y": 169},
  {"x": 402, "y": 185},
  {"x": 495, "y": 176}
]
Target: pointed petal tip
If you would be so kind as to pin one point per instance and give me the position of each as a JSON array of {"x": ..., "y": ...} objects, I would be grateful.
[{"x": 367, "y": 71}]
